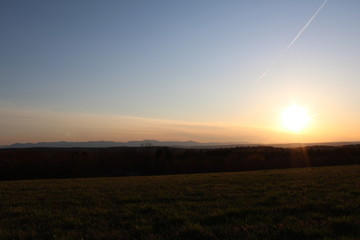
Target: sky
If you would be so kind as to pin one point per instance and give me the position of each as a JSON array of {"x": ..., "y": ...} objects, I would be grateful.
[{"x": 207, "y": 71}]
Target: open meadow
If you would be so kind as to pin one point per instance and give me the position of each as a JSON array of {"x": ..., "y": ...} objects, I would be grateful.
[{"x": 304, "y": 203}]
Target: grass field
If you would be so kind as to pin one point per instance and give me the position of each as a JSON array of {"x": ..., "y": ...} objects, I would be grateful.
[{"x": 307, "y": 203}]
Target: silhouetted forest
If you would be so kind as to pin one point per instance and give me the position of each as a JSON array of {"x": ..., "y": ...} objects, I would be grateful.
[{"x": 33, "y": 163}]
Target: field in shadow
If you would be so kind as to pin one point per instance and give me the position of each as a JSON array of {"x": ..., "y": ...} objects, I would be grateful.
[{"x": 305, "y": 203}]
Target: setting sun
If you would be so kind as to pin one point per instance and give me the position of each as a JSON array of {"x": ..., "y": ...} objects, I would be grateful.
[{"x": 295, "y": 118}]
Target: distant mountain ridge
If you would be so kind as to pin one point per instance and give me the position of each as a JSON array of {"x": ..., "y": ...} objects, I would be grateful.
[
  {"x": 104, "y": 144},
  {"x": 156, "y": 143}
]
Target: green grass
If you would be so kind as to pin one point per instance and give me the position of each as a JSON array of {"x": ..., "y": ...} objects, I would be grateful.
[{"x": 308, "y": 203}]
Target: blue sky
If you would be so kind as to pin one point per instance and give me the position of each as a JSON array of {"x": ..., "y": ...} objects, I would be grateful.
[{"x": 196, "y": 62}]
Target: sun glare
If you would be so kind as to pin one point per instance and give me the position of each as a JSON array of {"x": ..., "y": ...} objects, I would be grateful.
[{"x": 295, "y": 118}]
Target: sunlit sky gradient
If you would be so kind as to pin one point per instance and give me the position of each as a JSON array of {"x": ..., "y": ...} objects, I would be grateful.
[{"x": 177, "y": 70}]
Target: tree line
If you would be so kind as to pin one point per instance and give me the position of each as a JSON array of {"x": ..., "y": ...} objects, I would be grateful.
[{"x": 40, "y": 163}]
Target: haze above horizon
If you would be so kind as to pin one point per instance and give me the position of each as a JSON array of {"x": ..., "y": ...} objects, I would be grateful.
[{"x": 208, "y": 71}]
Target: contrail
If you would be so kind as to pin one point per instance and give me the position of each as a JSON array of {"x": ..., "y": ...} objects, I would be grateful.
[
  {"x": 266, "y": 71},
  {"x": 306, "y": 25},
  {"x": 294, "y": 40}
]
